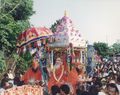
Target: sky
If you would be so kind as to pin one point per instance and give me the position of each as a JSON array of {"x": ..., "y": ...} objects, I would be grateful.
[{"x": 97, "y": 20}]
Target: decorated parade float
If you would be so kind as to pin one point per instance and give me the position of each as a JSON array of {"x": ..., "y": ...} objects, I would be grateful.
[
  {"x": 24, "y": 90},
  {"x": 68, "y": 42},
  {"x": 68, "y": 51},
  {"x": 33, "y": 40},
  {"x": 56, "y": 53}
]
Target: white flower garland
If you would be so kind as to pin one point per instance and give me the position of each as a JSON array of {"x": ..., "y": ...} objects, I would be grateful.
[{"x": 54, "y": 75}]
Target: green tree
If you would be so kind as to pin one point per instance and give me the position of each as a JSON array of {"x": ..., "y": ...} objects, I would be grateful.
[
  {"x": 14, "y": 18},
  {"x": 116, "y": 48},
  {"x": 102, "y": 48},
  {"x": 53, "y": 27},
  {"x": 110, "y": 51},
  {"x": 9, "y": 30},
  {"x": 18, "y": 9},
  {"x": 23, "y": 62},
  {"x": 2, "y": 62}
]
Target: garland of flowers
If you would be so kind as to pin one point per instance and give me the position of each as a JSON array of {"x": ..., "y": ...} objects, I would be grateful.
[{"x": 54, "y": 75}]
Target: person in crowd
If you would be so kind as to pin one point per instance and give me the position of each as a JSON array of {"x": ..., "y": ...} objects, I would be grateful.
[
  {"x": 2, "y": 91},
  {"x": 58, "y": 75},
  {"x": 85, "y": 93},
  {"x": 10, "y": 74},
  {"x": 55, "y": 90},
  {"x": 65, "y": 89},
  {"x": 17, "y": 80},
  {"x": 4, "y": 80},
  {"x": 112, "y": 89},
  {"x": 102, "y": 93},
  {"x": 93, "y": 90},
  {"x": 80, "y": 89},
  {"x": 118, "y": 83},
  {"x": 81, "y": 74},
  {"x": 33, "y": 74},
  {"x": 5, "y": 84},
  {"x": 72, "y": 78},
  {"x": 105, "y": 72},
  {"x": 102, "y": 87}
]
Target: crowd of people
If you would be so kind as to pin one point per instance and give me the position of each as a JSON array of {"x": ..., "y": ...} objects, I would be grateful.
[{"x": 105, "y": 80}]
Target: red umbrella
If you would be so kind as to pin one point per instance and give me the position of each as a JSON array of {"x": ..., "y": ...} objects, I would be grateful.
[{"x": 33, "y": 34}]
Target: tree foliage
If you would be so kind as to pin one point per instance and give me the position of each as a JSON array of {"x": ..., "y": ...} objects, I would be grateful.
[
  {"x": 102, "y": 48},
  {"x": 23, "y": 62},
  {"x": 110, "y": 51},
  {"x": 116, "y": 48},
  {"x": 18, "y": 9},
  {"x": 2, "y": 62},
  {"x": 54, "y": 26},
  {"x": 9, "y": 30},
  {"x": 14, "y": 18}
]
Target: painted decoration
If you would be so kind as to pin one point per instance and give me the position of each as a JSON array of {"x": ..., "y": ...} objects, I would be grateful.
[
  {"x": 24, "y": 90},
  {"x": 66, "y": 33},
  {"x": 33, "y": 34}
]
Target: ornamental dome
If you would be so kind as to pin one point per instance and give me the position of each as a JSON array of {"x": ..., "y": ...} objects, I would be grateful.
[{"x": 65, "y": 33}]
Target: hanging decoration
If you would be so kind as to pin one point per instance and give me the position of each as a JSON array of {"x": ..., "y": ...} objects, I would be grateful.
[
  {"x": 54, "y": 74},
  {"x": 33, "y": 34}
]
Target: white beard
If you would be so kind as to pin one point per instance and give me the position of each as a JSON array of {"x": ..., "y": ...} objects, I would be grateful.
[{"x": 58, "y": 64}]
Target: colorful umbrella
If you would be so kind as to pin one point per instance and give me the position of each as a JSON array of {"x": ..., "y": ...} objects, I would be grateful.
[
  {"x": 30, "y": 36},
  {"x": 33, "y": 34}
]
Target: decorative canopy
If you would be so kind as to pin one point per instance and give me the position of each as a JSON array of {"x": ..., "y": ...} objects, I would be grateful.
[
  {"x": 33, "y": 34},
  {"x": 65, "y": 33}
]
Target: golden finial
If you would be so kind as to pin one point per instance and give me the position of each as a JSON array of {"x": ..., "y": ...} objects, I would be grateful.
[{"x": 65, "y": 13}]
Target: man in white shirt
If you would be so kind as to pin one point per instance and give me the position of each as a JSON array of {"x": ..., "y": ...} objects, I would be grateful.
[
  {"x": 10, "y": 75},
  {"x": 2, "y": 91}
]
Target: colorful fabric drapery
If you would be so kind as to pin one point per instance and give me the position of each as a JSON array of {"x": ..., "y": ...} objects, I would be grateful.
[{"x": 24, "y": 90}]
